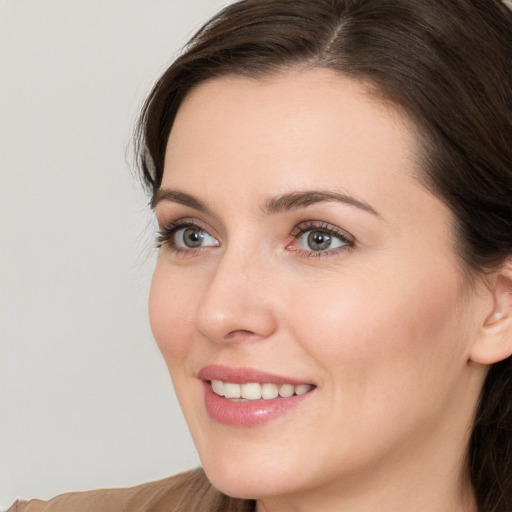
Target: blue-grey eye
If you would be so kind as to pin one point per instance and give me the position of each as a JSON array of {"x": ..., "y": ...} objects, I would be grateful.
[
  {"x": 315, "y": 240},
  {"x": 193, "y": 238}
]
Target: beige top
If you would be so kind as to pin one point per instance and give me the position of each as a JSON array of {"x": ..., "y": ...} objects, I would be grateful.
[{"x": 187, "y": 492}]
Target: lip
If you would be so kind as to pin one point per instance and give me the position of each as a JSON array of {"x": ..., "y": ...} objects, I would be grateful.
[
  {"x": 250, "y": 413},
  {"x": 244, "y": 375}
]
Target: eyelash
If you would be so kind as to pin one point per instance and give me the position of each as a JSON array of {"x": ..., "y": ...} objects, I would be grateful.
[{"x": 166, "y": 234}]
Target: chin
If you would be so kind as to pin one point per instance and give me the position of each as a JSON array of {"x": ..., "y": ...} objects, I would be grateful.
[
  {"x": 254, "y": 476},
  {"x": 235, "y": 486},
  {"x": 245, "y": 484}
]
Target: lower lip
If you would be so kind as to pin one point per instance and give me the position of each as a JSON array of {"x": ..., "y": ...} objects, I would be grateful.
[{"x": 247, "y": 414}]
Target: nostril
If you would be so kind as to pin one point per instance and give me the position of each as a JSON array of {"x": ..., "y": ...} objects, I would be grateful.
[{"x": 240, "y": 333}]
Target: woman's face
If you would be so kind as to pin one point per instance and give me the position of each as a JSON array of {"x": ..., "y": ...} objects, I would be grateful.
[{"x": 299, "y": 254}]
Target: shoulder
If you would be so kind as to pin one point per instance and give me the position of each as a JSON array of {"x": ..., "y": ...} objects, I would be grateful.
[
  {"x": 188, "y": 492},
  {"x": 141, "y": 497}
]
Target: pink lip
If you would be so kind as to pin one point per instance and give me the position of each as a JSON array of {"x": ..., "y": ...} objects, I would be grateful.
[
  {"x": 251, "y": 413},
  {"x": 243, "y": 375}
]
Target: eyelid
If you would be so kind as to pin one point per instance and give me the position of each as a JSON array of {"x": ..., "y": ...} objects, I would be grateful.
[{"x": 310, "y": 225}]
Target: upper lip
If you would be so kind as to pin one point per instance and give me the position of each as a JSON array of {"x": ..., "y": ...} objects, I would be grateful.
[{"x": 243, "y": 375}]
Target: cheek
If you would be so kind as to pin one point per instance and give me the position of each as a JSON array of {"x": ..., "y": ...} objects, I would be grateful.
[
  {"x": 171, "y": 305},
  {"x": 389, "y": 339}
]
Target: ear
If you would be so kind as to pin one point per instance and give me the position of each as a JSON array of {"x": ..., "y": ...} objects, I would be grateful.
[{"x": 495, "y": 340}]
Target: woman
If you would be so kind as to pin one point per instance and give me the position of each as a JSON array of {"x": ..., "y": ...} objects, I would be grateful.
[{"x": 333, "y": 186}]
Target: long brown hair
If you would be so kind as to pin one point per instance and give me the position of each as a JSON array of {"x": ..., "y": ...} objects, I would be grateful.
[{"x": 447, "y": 64}]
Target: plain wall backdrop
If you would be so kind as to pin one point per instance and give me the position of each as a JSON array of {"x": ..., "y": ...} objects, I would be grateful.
[{"x": 85, "y": 399}]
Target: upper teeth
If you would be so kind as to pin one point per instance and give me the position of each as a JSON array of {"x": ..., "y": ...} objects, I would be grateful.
[{"x": 256, "y": 391}]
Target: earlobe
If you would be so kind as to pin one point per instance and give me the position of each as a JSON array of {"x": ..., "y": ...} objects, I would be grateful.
[{"x": 494, "y": 342}]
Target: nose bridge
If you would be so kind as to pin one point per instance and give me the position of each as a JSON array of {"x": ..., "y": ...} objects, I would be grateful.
[{"x": 236, "y": 303}]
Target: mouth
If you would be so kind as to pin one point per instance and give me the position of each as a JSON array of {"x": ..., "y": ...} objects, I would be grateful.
[
  {"x": 257, "y": 391},
  {"x": 246, "y": 397}
]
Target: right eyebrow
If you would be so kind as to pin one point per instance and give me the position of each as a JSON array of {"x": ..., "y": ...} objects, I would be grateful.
[{"x": 175, "y": 196}]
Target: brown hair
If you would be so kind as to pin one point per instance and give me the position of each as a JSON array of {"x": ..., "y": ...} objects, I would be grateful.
[{"x": 448, "y": 65}]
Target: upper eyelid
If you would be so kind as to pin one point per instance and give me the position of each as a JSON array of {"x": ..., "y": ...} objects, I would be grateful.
[
  {"x": 299, "y": 227},
  {"x": 187, "y": 223},
  {"x": 182, "y": 222},
  {"x": 167, "y": 217},
  {"x": 305, "y": 226}
]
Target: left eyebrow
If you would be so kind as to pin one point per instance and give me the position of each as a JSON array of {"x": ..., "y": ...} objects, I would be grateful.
[{"x": 296, "y": 200}]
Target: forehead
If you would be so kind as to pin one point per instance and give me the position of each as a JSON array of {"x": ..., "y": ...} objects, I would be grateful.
[{"x": 300, "y": 129}]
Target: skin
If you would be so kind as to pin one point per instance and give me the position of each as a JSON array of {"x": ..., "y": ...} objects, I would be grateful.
[{"x": 384, "y": 327}]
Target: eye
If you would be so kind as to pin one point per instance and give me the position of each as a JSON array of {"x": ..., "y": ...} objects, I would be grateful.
[
  {"x": 185, "y": 237},
  {"x": 193, "y": 237},
  {"x": 318, "y": 239}
]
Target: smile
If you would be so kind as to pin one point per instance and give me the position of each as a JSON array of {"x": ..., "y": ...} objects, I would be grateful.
[
  {"x": 257, "y": 391},
  {"x": 247, "y": 397}
]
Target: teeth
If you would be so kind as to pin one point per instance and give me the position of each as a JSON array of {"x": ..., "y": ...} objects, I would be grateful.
[
  {"x": 286, "y": 390},
  {"x": 302, "y": 388},
  {"x": 251, "y": 391},
  {"x": 231, "y": 390},
  {"x": 218, "y": 387},
  {"x": 269, "y": 391},
  {"x": 256, "y": 391}
]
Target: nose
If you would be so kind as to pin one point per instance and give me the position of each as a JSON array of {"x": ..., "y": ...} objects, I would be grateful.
[{"x": 237, "y": 302}]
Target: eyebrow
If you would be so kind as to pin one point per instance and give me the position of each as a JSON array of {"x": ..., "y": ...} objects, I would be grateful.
[
  {"x": 273, "y": 205},
  {"x": 302, "y": 199},
  {"x": 175, "y": 196}
]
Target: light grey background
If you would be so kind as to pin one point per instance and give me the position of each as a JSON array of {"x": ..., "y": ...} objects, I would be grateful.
[{"x": 85, "y": 400}]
